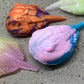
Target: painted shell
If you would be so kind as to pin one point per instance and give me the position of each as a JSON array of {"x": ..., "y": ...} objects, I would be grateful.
[
  {"x": 11, "y": 57},
  {"x": 54, "y": 44},
  {"x": 72, "y": 6},
  {"x": 23, "y": 20}
]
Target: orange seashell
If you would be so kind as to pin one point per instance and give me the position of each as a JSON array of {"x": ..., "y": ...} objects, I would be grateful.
[{"x": 23, "y": 20}]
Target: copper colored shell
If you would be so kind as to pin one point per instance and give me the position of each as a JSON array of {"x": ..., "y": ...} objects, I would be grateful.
[{"x": 23, "y": 20}]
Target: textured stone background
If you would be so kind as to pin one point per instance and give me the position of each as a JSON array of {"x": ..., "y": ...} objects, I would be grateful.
[{"x": 70, "y": 72}]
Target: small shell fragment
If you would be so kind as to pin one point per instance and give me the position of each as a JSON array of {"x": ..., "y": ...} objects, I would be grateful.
[{"x": 75, "y": 7}]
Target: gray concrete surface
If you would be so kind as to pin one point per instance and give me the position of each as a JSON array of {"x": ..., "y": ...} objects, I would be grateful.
[{"x": 69, "y": 72}]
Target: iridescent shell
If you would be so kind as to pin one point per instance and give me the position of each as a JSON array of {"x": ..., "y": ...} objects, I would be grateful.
[{"x": 23, "y": 20}]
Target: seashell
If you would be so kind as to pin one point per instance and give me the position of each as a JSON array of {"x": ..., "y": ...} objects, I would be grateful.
[
  {"x": 71, "y": 6},
  {"x": 23, "y": 20},
  {"x": 11, "y": 57},
  {"x": 54, "y": 44}
]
